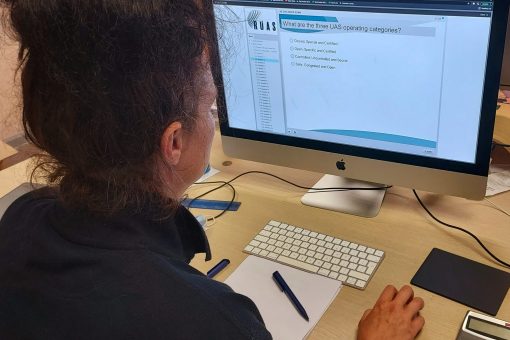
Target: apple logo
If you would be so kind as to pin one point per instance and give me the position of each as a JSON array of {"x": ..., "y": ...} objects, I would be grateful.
[{"x": 340, "y": 165}]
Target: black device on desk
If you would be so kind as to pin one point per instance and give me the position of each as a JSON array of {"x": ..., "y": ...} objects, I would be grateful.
[{"x": 468, "y": 282}]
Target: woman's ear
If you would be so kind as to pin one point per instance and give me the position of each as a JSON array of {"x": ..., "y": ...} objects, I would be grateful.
[{"x": 172, "y": 143}]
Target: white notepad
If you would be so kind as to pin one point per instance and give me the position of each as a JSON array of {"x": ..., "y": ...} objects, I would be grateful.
[{"x": 254, "y": 279}]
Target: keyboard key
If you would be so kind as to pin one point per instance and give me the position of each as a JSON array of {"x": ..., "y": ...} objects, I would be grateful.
[
  {"x": 379, "y": 253},
  {"x": 352, "y": 266},
  {"x": 334, "y": 260},
  {"x": 370, "y": 250},
  {"x": 263, "y": 245},
  {"x": 313, "y": 234},
  {"x": 354, "y": 259},
  {"x": 270, "y": 248},
  {"x": 353, "y": 245},
  {"x": 268, "y": 227},
  {"x": 373, "y": 258},
  {"x": 305, "y": 232},
  {"x": 272, "y": 256},
  {"x": 345, "y": 243},
  {"x": 293, "y": 255},
  {"x": 274, "y": 223},
  {"x": 323, "y": 271},
  {"x": 305, "y": 238},
  {"x": 298, "y": 230},
  {"x": 328, "y": 245},
  {"x": 263, "y": 253},
  {"x": 358, "y": 275},
  {"x": 351, "y": 280},
  {"x": 278, "y": 250},
  {"x": 321, "y": 243},
  {"x": 337, "y": 241},
  {"x": 333, "y": 275},
  {"x": 318, "y": 263},
  {"x": 362, "y": 255},
  {"x": 321, "y": 236},
  {"x": 265, "y": 233},
  {"x": 321, "y": 250},
  {"x": 256, "y": 250},
  {"x": 305, "y": 245},
  {"x": 335, "y": 268},
  {"x": 302, "y": 258},
  {"x": 290, "y": 227},
  {"x": 362, "y": 269},
  {"x": 294, "y": 248},
  {"x": 318, "y": 256},
  {"x": 254, "y": 243},
  {"x": 354, "y": 252},
  {"x": 298, "y": 264},
  {"x": 310, "y": 260},
  {"x": 327, "y": 258},
  {"x": 363, "y": 262},
  {"x": 248, "y": 248},
  {"x": 271, "y": 241},
  {"x": 342, "y": 277},
  {"x": 302, "y": 251},
  {"x": 326, "y": 265},
  {"x": 362, "y": 248},
  {"x": 310, "y": 253},
  {"x": 328, "y": 239},
  {"x": 261, "y": 238},
  {"x": 286, "y": 252},
  {"x": 361, "y": 283}
]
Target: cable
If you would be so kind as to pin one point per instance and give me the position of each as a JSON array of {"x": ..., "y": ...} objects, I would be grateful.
[
  {"x": 461, "y": 229},
  {"x": 228, "y": 183},
  {"x": 497, "y": 207},
  {"x": 500, "y": 144},
  {"x": 223, "y": 183}
]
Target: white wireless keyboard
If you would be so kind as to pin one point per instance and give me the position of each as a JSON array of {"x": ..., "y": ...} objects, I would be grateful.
[{"x": 351, "y": 263}]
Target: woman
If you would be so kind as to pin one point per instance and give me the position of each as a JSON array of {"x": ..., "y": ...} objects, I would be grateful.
[{"x": 117, "y": 92}]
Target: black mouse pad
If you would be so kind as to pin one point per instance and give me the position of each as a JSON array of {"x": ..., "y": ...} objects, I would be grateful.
[{"x": 468, "y": 282}]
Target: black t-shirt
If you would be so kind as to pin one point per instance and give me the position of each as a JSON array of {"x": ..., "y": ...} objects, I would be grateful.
[{"x": 67, "y": 275}]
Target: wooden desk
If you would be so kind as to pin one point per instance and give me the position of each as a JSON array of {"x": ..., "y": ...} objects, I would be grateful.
[{"x": 402, "y": 229}]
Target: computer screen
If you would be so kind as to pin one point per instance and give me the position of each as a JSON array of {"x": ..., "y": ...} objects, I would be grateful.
[{"x": 382, "y": 91}]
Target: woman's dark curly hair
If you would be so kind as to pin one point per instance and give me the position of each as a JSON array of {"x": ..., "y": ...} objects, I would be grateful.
[{"x": 101, "y": 79}]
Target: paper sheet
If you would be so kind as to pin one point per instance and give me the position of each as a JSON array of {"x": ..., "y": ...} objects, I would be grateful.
[
  {"x": 499, "y": 180},
  {"x": 253, "y": 278}
]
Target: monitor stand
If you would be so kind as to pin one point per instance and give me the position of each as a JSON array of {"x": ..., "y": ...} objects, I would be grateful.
[{"x": 364, "y": 203}]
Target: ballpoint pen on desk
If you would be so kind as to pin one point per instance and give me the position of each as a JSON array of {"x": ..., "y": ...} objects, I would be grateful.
[
  {"x": 286, "y": 289},
  {"x": 217, "y": 268}
]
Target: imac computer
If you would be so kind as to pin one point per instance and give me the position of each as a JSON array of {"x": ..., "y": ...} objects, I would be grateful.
[{"x": 392, "y": 92}]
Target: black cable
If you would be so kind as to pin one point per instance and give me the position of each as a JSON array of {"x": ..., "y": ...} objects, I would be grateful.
[
  {"x": 223, "y": 183},
  {"x": 316, "y": 190},
  {"x": 494, "y": 144},
  {"x": 461, "y": 229}
]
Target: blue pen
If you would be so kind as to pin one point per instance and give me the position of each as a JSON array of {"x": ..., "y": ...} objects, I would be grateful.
[
  {"x": 217, "y": 268},
  {"x": 286, "y": 289}
]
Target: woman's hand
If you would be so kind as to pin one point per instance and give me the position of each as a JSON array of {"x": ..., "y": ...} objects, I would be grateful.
[{"x": 395, "y": 316}]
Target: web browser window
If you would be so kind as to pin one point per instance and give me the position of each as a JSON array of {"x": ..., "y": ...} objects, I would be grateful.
[{"x": 398, "y": 76}]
